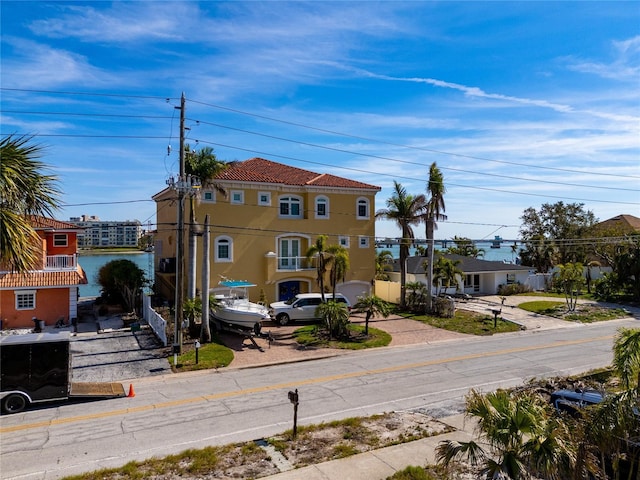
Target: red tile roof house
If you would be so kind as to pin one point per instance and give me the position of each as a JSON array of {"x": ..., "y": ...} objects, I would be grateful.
[{"x": 49, "y": 290}]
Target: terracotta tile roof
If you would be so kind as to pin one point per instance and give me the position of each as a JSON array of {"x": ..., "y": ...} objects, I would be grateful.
[
  {"x": 43, "y": 279},
  {"x": 43, "y": 223},
  {"x": 265, "y": 171}
]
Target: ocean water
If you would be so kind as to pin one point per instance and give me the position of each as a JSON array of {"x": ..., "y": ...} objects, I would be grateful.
[
  {"x": 92, "y": 264},
  {"x": 502, "y": 254}
]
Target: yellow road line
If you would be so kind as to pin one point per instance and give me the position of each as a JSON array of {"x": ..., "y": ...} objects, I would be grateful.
[{"x": 310, "y": 381}]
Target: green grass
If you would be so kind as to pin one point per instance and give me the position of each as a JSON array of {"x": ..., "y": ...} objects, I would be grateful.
[
  {"x": 464, "y": 321},
  {"x": 583, "y": 313},
  {"x": 312, "y": 335},
  {"x": 544, "y": 307},
  {"x": 210, "y": 355}
]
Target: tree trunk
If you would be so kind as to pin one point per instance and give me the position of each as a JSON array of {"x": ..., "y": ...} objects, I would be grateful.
[{"x": 430, "y": 248}]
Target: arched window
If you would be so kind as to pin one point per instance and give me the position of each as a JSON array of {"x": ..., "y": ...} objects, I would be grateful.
[
  {"x": 362, "y": 209},
  {"x": 322, "y": 207},
  {"x": 290, "y": 206},
  {"x": 223, "y": 249}
]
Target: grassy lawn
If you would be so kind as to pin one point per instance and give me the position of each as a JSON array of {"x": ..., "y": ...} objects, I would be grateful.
[
  {"x": 210, "y": 355},
  {"x": 311, "y": 335},
  {"x": 464, "y": 321},
  {"x": 583, "y": 313}
]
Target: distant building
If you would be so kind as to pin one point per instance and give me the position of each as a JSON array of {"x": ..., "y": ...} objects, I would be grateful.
[
  {"x": 100, "y": 233},
  {"x": 49, "y": 289}
]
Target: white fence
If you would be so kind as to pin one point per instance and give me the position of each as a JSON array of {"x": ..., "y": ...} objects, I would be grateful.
[{"x": 155, "y": 320}]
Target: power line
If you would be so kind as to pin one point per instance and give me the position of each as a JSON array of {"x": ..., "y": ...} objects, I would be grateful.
[
  {"x": 412, "y": 147},
  {"x": 407, "y": 162},
  {"x": 286, "y": 157}
]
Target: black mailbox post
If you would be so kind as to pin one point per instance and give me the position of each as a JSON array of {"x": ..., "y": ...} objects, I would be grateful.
[{"x": 293, "y": 398}]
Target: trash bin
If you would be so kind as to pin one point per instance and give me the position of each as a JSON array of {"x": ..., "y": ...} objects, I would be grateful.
[{"x": 41, "y": 324}]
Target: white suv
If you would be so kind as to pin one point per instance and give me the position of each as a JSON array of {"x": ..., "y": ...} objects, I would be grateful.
[{"x": 302, "y": 307}]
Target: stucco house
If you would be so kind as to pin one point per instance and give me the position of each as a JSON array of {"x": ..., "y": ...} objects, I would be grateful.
[
  {"x": 49, "y": 290},
  {"x": 481, "y": 277},
  {"x": 262, "y": 229}
]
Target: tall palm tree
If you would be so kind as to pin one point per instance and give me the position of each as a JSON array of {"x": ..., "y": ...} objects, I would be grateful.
[
  {"x": 407, "y": 211},
  {"x": 338, "y": 265},
  {"x": 371, "y": 306},
  {"x": 434, "y": 213},
  {"x": 205, "y": 166},
  {"x": 26, "y": 190},
  {"x": 319, "y": 251}
]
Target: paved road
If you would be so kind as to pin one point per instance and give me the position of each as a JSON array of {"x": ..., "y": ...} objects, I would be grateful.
[{"x": 171, "y": 413}]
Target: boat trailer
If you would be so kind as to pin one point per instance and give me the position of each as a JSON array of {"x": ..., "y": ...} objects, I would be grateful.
[{"x": 245, "y": 332}]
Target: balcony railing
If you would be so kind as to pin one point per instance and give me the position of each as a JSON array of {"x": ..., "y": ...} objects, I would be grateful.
[
  {"x": 61, "y": 262},
  {"x": 294, "y": 263}
]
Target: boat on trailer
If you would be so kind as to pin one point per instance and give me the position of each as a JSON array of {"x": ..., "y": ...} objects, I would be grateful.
[{"x": 234, "y": 308}]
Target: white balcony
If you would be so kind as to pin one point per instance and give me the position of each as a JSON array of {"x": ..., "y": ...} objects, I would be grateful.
[
  {"x": 294, "y": 263},
  {"x": 61, "y": 262}
]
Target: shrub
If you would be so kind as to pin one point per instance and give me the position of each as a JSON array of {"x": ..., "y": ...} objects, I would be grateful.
[{"x": 513, "y": 289}]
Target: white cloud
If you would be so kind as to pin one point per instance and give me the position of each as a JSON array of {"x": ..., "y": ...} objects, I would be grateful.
[{"x": 624, "y": 66}]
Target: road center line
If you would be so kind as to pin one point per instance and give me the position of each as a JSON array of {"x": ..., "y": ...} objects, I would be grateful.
[{"x": 279, "y": 386}]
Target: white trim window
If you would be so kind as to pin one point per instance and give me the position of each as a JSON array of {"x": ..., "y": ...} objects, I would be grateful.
[
  {"x": 363, "y": 241},
  {"x": 60, "y": 240},
  {"x": 264, "y": 199},
  {"x": 362, "y": 208},
  {"x": 237, "y": 197},
  {"x": 322, "y": 207},
  {"x": 223, "y": 250},
  {"x": 208, "y": 196},
  {"x": 25, "y": 299},
  {"x": 343, "y": 241},
  {"x": 290, "y": 206}
]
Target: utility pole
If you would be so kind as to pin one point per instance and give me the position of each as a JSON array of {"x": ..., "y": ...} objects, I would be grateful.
[{"x": 183, "y": 185}]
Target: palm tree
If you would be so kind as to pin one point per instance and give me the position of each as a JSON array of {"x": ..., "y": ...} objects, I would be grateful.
[
  {"x": 338, "y": 265},
  {"x": 26, "y": 190},
  {"x": 406, "y": 210},
  {"x": 434, "y": 213},
  {"x": 465, "y": 247},
  {"x": 384, "y": 259},
  {"x": 204, "y": 165},
  {"x": 446, "y": 272},
  {"x": 626, "y": 356},
  {"x": 319, "y": 251},
  {"x": 519, "y": 437},
  {"x": 371, "y": 306},
  {"x": 335, "y": 316}
]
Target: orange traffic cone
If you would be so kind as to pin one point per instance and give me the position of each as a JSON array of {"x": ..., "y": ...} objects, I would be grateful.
[{"x": 131, "y": 392}]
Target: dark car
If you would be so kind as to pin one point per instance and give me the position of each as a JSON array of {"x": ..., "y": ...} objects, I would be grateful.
[{"x": 571, "y": 401}]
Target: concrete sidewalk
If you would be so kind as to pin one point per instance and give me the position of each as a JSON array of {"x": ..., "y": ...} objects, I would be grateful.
[{"x": 384, "y": 462}]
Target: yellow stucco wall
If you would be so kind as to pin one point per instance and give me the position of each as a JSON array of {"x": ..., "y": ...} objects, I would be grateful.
[{"x": 256, "y": 230}]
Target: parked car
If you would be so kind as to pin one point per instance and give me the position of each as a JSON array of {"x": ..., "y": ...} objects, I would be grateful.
[
  {"x": 571, "y": 401},
  {"x": 302, "y": 307}
]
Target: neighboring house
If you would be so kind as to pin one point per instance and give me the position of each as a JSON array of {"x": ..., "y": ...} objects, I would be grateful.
[
  {"x": 621, "y": 223},
  {"x": 262, "y": 229},
  {"x": 100, "y": 233},
  {"x": 49, "y": 290},
  {"x": 480, "y": 277}
]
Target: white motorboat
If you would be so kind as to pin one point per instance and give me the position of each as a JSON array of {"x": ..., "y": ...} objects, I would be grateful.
[{"x": 234, "y": 308}]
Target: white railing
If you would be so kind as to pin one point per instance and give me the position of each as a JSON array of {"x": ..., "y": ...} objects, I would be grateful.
[
  {"x": 154, "y": 319},
  {"x": 61, "y": 262},
  {"x": 294, "y": 263}
]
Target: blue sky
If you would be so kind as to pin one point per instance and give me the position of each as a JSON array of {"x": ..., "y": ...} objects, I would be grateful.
[{"x": 519, "y": 104}]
